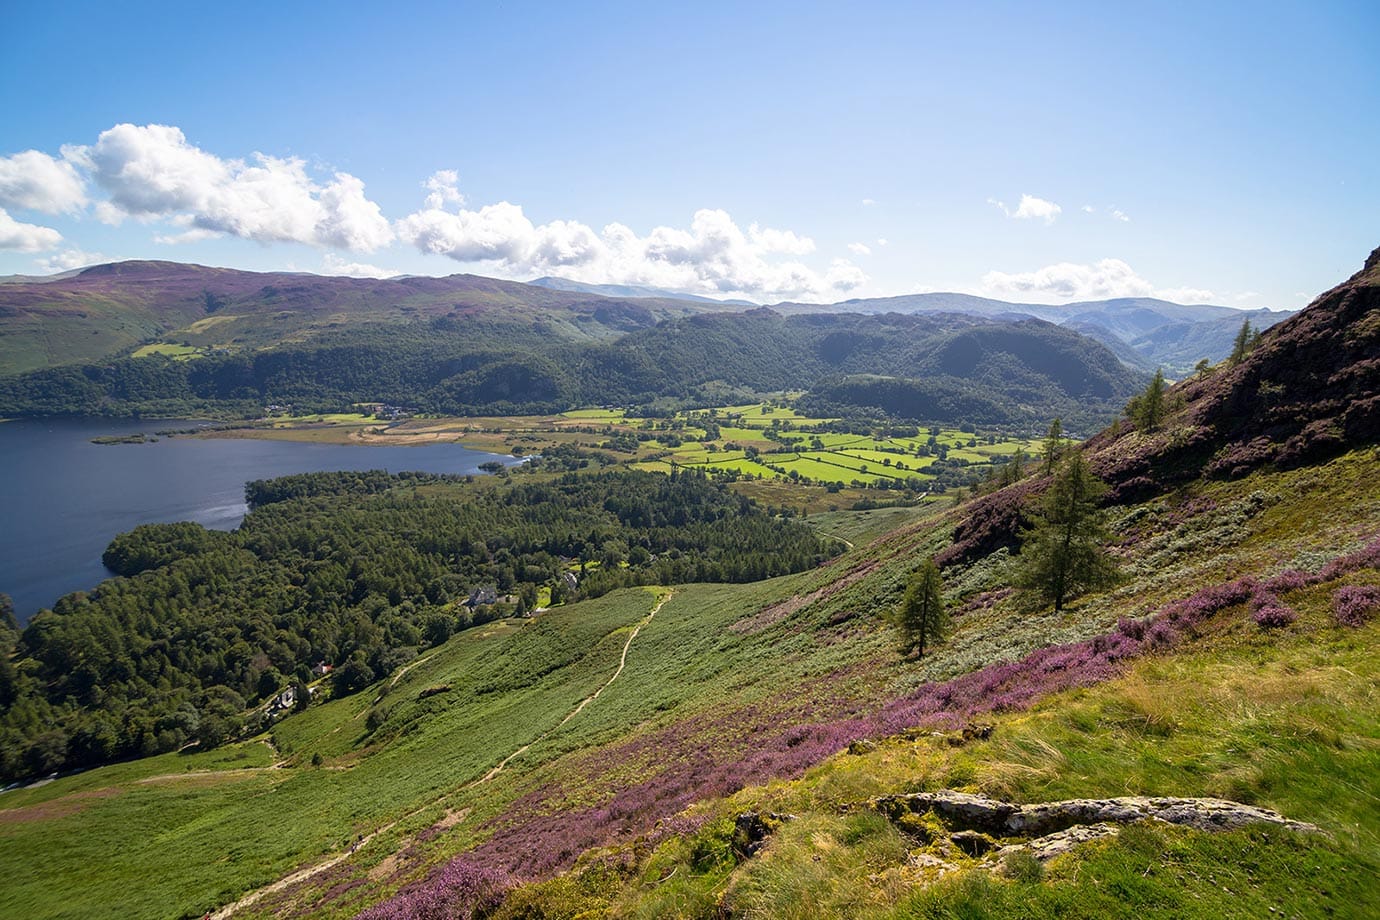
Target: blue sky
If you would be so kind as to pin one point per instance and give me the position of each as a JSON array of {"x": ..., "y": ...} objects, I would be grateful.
[{"x": 1221, "y": 152}]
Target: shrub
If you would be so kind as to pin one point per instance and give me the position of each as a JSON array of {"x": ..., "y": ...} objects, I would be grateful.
[
  {"x": 1353, "y": 605},
  {"x": 1269, "y": 612}
]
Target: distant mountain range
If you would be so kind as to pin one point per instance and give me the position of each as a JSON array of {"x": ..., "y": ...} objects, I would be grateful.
[
  {"x": 469, "y": 344},
  {"x": 631, "y": 290},
  {"x": 1144, "y": 332},
  {"x": 170, "y": 339}
]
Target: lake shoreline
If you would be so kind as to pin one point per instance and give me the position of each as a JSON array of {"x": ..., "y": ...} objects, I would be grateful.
[{"x": 66, "y": 497}]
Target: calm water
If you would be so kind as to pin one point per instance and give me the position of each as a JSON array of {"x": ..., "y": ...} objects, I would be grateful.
[{"x": 62, "y": 498}]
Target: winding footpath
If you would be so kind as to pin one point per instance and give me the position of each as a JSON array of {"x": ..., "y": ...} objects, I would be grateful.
[{"x": 303, "y": 875}]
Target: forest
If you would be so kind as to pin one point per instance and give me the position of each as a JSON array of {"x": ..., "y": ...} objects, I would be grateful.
[{"x": 358, "y": 571}]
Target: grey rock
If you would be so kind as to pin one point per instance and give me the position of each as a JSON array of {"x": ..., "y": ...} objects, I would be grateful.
[{"x": 965, "y": 811}]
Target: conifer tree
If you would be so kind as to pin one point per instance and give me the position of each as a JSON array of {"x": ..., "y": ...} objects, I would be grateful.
[
  {"x": 1147, "y": 410},
  {"x": 1062, "y": 554},
  {"x": 922, "y": 617},
  {"x": 1245, "y": 341},
  {"x": 1054, "y": 446}
]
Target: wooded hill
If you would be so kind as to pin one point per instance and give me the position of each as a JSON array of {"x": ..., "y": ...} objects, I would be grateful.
[{"x": 236, "y": 342}]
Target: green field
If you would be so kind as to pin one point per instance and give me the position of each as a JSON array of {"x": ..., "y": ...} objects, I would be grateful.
[{"x": 177, "y": 352}]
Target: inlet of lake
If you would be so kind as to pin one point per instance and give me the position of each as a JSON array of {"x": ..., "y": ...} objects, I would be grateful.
[{"x": 63, "y": 498}]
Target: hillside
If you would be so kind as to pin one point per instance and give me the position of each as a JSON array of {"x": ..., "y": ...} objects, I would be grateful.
[
  {"x": 1143, "y": 332},
  {"x": 761, "y": 749},
  {"x": 104, "y": 310},
  {"x": 630, "y": 290},
  {"x": 231, "y": 343}
]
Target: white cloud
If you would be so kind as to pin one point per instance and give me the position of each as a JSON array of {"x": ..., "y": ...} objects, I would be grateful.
[
  {"x": 1118, "y": 214},
  {"x": 1088, "y": 209},
  {"x": 1066, "y": 281},
  {"x": 152, "y": 172},
  {"x": 1030, "y": 208},
  {"x": 22, "y": 237},
  {"x": 861, "y": 249},
  {"x": 35, "y": 181},
  {"x": 332, "y": 264},
  {"x": 443, "y": 189},
  {"x": 713, "y": 256},
  {"x": 882, "y": 241},
  {"x": 868, "y": 202},
  {"x": 67, "y": 260},
  {"x": 1187, "y": 295}
]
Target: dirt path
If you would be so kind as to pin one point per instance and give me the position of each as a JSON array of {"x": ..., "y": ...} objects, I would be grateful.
[
  {"x": 303, "y": 875},
  {"x": 622, "y": 663}
]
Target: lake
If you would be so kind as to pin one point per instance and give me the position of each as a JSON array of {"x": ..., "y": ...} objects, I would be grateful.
[{"x": 62, "y": 498}]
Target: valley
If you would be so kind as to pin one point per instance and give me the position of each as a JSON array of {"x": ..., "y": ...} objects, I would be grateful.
[{"x": 710, "y": 717}]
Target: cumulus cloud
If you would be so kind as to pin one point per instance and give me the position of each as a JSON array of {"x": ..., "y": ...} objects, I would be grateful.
[
  {"x": 153, "y": 172},
  {"x": 1030, "y": 208},
  {"x": 36, "y": 181},
  {"x": 67, "y": 260},
  {"x": 332, "y": 264},
  {"x": 868, "y": 202},
  {"x": 861, "y": 249},
  {"x": 1100, "y": 280},
  {"x": 713, "y": 256},
  {"x": 1118, "y": 214},
  {"x": 17, "y": 236},
  {"x": 883, "y": 241}
]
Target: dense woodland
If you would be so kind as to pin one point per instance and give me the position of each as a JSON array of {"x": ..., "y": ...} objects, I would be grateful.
[
  {"x": 977, "y": 370},
  {"x": 354, "y": 570}
]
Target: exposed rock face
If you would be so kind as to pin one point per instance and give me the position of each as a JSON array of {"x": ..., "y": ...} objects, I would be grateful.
[
  {"x": 1056, "y": 844},
  {"x": 965, "y": 811}
]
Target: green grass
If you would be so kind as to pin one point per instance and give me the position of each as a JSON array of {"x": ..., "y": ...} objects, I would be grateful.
[
  {"x": 214, "y": 835},
  {"x": 1290, "y": 725},
  {"x": 172, "y": 350}
]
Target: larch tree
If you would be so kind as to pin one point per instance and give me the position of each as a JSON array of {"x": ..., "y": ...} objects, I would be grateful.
[
  {"x": 1054, "y": 446},
  {"x": 1062, "y": 553},
  {"x": 922, "y": 617},
  {"x": 1246, "y": 339}
]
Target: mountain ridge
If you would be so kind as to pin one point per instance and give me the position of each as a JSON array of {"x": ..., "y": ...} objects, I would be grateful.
[{"x": 101, "y": 311}]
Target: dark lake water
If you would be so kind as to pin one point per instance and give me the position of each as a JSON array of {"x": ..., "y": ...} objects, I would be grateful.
[{"x": 62, "y": 498}]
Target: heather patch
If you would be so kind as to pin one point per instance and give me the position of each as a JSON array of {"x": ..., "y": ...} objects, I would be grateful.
[{"x": 1353, "y": 605}]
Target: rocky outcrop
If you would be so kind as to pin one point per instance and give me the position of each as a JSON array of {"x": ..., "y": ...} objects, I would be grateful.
[{"x": 967, "y": 812}]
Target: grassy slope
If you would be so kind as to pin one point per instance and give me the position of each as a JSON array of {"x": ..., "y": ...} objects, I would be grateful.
[{"x": 713, "y": 685}]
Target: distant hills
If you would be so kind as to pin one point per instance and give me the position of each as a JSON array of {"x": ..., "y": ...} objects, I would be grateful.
[
  {"x": 227, "y": 341},
  {"x": 100, "y": 312},
  {"x": 630, "y": 290},
  {"x": 1144, "y": 332}
]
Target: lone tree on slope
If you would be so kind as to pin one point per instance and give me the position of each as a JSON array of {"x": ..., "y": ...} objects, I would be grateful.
[
  {"x": 1062, "y": 554},
  {"x": 922, "y": 618},
  {"x": 1054, "y": 446},
  {"x": 1148, "y": 409},
  {"x": 1246, "y": 340}
]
